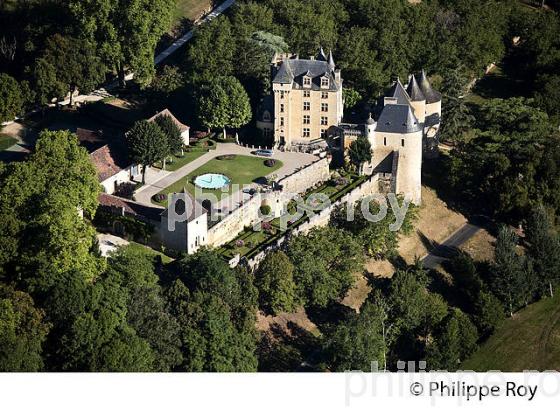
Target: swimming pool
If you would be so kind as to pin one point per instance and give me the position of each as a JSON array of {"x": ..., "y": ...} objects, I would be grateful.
[{"x": 212, "y": 181}]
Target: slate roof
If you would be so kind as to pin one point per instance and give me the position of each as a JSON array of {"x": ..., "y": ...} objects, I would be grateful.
[
  {"x": 432, "y": 95},
  {"x": 267, "y": 104},
  {"x": 397, "y": 91},
  {"x": 398, "y": 119},
  {"x": 182, "y": 127},
  {"x": 109, "y": 160},
  {"x": 130, "y": 207},
  {"x": 194, "y": 208},
  {"x": 293, "y": 71},
  {"x": 414, "y": 91},
  {"x": 385, "y": 166}
]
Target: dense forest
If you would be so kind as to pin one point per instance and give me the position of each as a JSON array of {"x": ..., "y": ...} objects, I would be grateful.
[{"x": 63, "y": 307}]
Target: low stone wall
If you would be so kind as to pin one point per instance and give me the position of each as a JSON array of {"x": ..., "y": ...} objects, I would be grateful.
[
  {"x": 302, "y": 179},
  {"x": 234, "y": 223}
]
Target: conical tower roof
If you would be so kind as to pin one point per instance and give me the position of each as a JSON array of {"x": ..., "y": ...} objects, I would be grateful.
[
  {"x": 431, "y": 95},
  {"x": 397, "y": 91},
  {"x": 321, "y": 56},
  {"x": 332, "y": 65},
  {"x": 414, "y": 91}
]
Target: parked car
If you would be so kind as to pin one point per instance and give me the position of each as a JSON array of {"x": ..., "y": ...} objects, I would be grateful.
[
  {"x": 264, "y": 152},
  {"x": 250, "y": 191}
]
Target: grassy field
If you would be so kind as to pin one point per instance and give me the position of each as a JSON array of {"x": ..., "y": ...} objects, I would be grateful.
[
  {"x": 528, "y": 341},
  {"x": 240, "y": 170},
  {"x": 190, "y": 9},
  {"x": 6, "y": 141},
  {"x": 144, "y": 250}
]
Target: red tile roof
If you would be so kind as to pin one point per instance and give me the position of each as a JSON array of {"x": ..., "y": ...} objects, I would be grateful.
[
  {"x": 182, "y": 127},
  {"x": 108, "y": 162}
]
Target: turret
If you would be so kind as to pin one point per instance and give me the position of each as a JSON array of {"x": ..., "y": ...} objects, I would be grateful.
[
  {"x": 433, "y": 98},
  {"x": 417, "y": 99},
  {"x": 370, "y": 130}
]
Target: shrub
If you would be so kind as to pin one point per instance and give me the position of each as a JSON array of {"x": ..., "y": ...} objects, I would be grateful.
[
  {"x": 160, "y": 197},
  {"x": 340, "y": 181},
  {"x": 270, "y": 162},
  {"x": 227, "y": 157},
  {"x": 266, "y": 226},
  {"x": 266, "y": 210},
  {"x": 240, "y": 243},
  {"x": 125, "y": 190}
]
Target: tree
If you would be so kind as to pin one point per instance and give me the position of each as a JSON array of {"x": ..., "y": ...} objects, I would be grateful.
[
  {"x": 210, "y": 54},
  {"x": 325, "y": 261},
  {"x": 169, "y": 80},
  {"x": 357, "y": 343},
  {"x": 172, "y": 133},
  {"x": 360, "y": 151},
  {"x": 544, "y": 249},
  {"x": 147, "y": 144},
  {"x": 224, "y": 103},
  {"x": 456, "y": 112},
  {"x": 351, "y": 97},
  {"x": 510, "y": 273},
  {"x": 455, "y": 342},
  {"x": 11, "y": 99},
  {"x": 40, "y": 203},
  {"x": 146, "y": 310},
  {"x": 275, "y": 280},
  {"x": 75, "y": 64},
  {"x": 45, "y": 83},
  {"x": 126, "y": 32},
  {"x": 23, "y": 330}
]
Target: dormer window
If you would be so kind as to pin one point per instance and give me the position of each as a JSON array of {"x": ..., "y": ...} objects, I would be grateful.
[
  {"x": 324, "y": 82},
  {"x": 306, "y": 81},
  {"x": 266, "y": 116}
]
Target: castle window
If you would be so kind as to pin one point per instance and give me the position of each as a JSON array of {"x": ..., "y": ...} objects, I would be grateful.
[
  {"x": 324, "y": 82},
  {"x": 306, "y": 119},
  {"x": 324, "y": 107},
  {"x": 324, "y": 95},
  {"x": 402, "y": 142},
  {"x": 323, "y": 133},
  {"x": 282, "y": 94},
  {"x": 306, "y": 133},
  {"x": 385, "y": 141},
  {"x": 306, "y": 106},
  {"x": 281, "y": 107},
  {"x": 281, "y": 121},
  {"x": 307, "y": 94},
  {"x": 307, "y": 81},
  {"x": 266, "y": 132},
  {"x": 324, "y": 120}
]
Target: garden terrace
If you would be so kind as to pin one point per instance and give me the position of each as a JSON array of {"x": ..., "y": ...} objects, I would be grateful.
[{"x": 251, "y": 242}]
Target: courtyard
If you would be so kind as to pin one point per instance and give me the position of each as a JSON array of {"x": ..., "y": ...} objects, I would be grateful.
[
  {"x": 240, "y": 169},
  {"x": 244, "y": 168}
]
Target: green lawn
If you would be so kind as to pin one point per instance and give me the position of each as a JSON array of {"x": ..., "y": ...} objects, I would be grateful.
[
  {"x": 179, "y": 162},
  {"x": 144, "y": 250},
  {"x": 6, "y": 141},
  {"x": 189, "y": 9},
  {"x": 528, "y": 341},
  {"x": 240, "y": 170}
]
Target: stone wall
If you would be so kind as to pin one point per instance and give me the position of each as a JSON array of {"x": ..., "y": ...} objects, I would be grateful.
[
  {"x": 307, "y": 177},
  {"x": 321, "y": 219},
  {"x": 234, "y": 223}
]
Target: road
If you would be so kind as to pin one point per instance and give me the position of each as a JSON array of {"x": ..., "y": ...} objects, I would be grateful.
[{"x": 448, "y": 248}]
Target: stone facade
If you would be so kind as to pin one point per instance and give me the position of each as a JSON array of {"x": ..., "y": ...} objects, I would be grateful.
[{"x": 306, "y": 99}]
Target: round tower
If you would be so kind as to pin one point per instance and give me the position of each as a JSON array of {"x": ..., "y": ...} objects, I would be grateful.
[{"x": 370, "y": 130}]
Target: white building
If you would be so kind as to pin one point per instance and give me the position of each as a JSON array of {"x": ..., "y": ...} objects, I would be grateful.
[
  {"x": 185, "y": 129},
  {"x": 113, "y": 169}
]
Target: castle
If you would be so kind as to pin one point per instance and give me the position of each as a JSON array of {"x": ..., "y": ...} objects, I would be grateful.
[{"x": 306, "y": 108}]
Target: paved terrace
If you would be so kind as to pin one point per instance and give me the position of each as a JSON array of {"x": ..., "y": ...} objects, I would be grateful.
[{"x": 291, "y": 161}]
